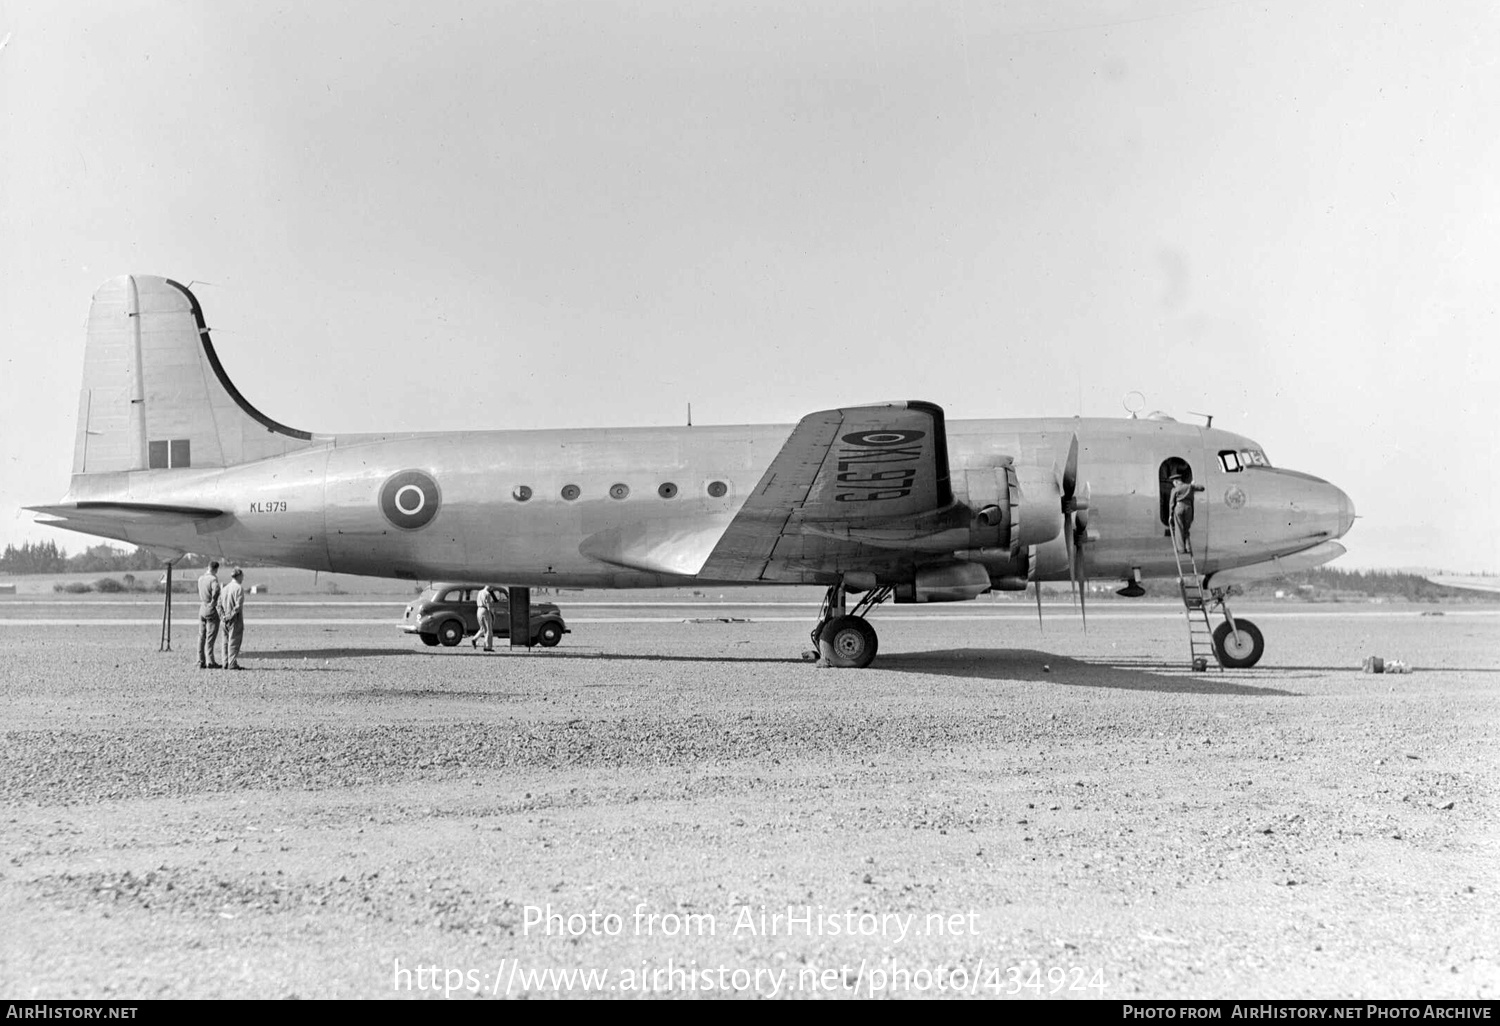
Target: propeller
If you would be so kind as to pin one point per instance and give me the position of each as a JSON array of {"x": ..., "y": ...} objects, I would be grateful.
[{"x": 1076, "y": 532}]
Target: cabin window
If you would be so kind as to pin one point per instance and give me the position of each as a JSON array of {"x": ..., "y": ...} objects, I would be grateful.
[
  {"x": 521, "y": 493},
  {"x": 1230, "y": 461},
  {"x": 570, "y": 492},
  {"x": 718, "y": 489},
  {"x": 619, "y": 491},
  {"x": 667, "y": 491},
  {"x": 161, "y": 455}
]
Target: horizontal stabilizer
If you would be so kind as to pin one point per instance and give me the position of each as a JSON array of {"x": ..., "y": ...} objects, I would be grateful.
[{"x": 127, "y": 514}]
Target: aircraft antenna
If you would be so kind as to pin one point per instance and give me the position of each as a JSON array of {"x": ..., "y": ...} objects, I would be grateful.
[
  {"x": 690, "y": 414},
  {"x": 1206, "y": 416},
  {"x": 1135, "y": 402}
]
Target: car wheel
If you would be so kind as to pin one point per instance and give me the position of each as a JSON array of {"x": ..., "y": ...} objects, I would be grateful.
[
  {"x": 428, "y": 638},
  {"x": 550, "y": 634},
  {"x": 451, "y": 632},
  {"x": 1243, "y": 652}
]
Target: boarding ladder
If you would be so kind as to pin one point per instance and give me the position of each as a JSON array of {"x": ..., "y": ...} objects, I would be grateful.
[{"x": 1200, "y": 632}]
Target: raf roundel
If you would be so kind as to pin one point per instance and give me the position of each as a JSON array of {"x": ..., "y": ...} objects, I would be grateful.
[{"x": 410, "y": 499}]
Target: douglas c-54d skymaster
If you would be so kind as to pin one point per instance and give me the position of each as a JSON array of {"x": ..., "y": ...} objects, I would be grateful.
[{"x": 881, "y": 501}]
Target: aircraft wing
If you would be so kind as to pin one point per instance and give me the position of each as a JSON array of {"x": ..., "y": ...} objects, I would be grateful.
[{"x": 837, "y": 471}]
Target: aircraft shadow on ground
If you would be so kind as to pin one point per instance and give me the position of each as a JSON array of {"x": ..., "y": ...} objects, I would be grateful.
[
  {"x": 1019, "y": 664},
  {"x": 323, "y": 653},
  {"x": 656, "y": 657}
]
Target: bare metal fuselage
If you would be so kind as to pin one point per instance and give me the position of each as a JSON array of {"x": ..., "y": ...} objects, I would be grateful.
[{"x": 502, "y": 513}]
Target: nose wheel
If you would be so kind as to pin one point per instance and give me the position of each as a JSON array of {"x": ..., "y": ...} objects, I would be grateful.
[
  {"x": 846, "y": 639},
  {"x": 1239, "y": 644}
]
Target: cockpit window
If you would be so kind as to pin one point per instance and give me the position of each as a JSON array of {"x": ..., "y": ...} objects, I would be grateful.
[{"x": 1235, "y": 460}]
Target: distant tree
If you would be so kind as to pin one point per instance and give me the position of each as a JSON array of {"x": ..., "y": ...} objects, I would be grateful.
[{"x": 47, "y": 558}]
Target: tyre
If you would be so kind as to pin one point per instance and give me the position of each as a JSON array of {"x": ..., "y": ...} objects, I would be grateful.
[
  {"x": 451, "y": 632},
  {"x": 1242, "y": 653},
  {"x": 848, "y": 641},
  {"x": 428, "y": 638},
  {"x": 549, "y": 634}
]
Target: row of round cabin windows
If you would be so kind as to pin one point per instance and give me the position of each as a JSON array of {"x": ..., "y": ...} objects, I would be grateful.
[{"x": 667, "y": 490}]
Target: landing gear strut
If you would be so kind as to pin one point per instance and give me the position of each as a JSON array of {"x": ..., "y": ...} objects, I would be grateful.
[
  {"x": 846, "y": 638},
  {"x": 1237, "y": 642}
]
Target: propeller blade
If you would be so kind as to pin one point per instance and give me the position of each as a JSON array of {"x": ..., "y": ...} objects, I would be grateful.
[
  {"x": 1035, "y": 583},
  {"x": 1070, "y": 472},
  {"x": 1083, "y": 587},
  {"x": 1070, "y": 540}
]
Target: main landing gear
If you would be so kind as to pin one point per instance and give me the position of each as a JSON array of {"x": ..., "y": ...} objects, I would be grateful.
[
  {"x": 845, "y": 638},
  {"x": 1237, "y": 642}
]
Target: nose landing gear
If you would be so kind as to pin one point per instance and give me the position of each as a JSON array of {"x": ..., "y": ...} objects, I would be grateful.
[
  {"x": 1237, "y": 642},
  {"x": 843, "y": 638}
]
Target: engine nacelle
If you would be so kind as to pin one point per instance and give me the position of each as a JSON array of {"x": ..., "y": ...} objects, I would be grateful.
[
  {"x": 1039, "y": 506},
  {"x": 1015, "y": 508},
  {"x": 950, "y": 582}
]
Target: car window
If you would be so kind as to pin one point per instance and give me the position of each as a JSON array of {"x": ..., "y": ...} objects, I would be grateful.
[{"x": 454, "y": 595}]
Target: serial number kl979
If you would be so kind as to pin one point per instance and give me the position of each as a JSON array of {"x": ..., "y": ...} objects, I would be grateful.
[{"x": 275, "y": 506}]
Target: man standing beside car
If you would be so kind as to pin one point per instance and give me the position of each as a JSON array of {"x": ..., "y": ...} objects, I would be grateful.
[{"x": 484, "y": 603}]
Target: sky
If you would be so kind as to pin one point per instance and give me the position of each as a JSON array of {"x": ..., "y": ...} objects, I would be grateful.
[{"x": 486, "y": 215}]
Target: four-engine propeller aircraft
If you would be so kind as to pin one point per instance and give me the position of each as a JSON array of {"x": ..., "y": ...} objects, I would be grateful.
[{"x": 883, "y": 501}]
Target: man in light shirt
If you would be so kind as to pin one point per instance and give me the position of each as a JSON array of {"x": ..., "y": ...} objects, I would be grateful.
[
  {"x": 232, "y": 612},
  {"x": 484, "y": 603},
  {"x": 208, "y": 616}
]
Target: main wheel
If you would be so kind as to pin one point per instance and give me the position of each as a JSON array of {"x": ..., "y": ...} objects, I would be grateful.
[
  {"x": 549, "y": 634},
  {"x": 451, "y": 632},
  {"x": 1242, "y": 652},
  {"x": 428, "y": 638},
  {"x": 848, "y": 641}
]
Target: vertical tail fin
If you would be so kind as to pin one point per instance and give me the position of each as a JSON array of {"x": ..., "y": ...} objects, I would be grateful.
[{"x": 154, "y": 394}]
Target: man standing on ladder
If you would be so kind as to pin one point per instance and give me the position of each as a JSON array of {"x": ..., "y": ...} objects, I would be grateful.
[{"x": 1181, "y": 504}]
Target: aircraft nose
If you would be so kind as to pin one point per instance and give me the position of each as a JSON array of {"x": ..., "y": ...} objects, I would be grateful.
[{"x": 1346, "y": 512}]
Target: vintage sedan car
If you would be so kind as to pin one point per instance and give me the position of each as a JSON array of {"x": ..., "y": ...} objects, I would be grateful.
[{"x": 444, "y": 614}]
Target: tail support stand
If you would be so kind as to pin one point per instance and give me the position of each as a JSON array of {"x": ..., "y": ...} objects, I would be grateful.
[
  {"x": 166, "y": 614},
  {"x": 1201, "y": 645},
  {"x": 520, "y": 617}
]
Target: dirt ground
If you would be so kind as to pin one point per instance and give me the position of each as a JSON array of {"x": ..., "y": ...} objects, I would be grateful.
[{"x": 670, "y": 807}]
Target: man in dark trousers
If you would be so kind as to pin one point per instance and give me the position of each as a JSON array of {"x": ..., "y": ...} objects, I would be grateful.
[
  {"x": 208, "y": 616},
  {"x": 1181, "y": 505}
]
